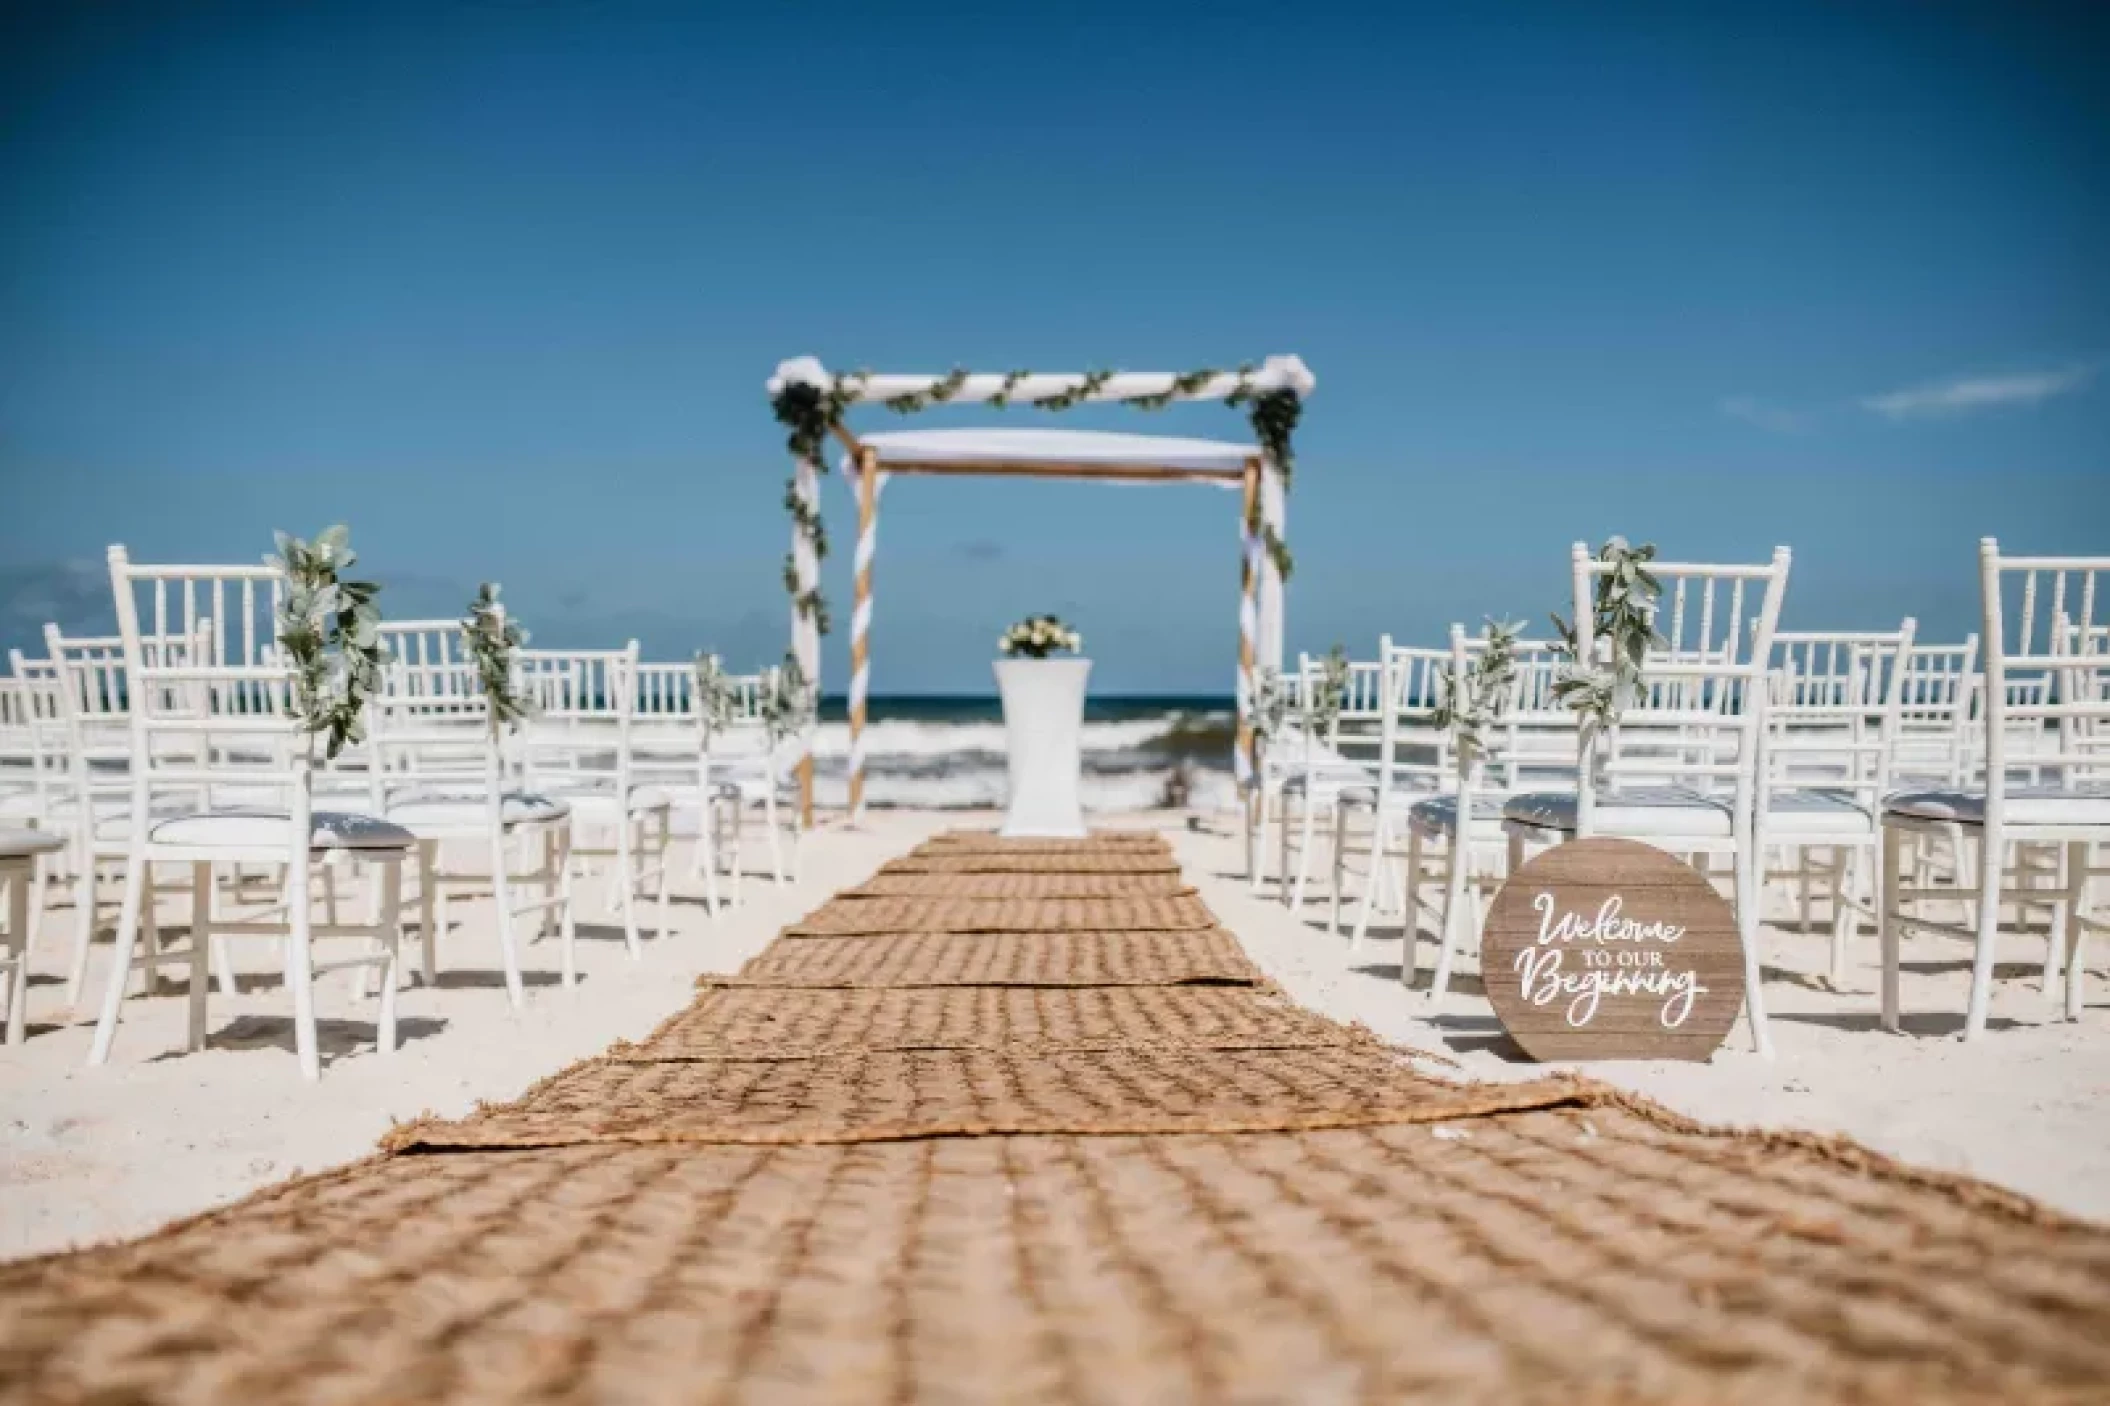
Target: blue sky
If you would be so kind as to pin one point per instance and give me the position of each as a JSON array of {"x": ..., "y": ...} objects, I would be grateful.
[{"x": 500, "y": 285}]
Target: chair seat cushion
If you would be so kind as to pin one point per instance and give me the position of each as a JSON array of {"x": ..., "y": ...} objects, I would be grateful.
[
  {"x": 1806, "y": 812},
  {"x": 2085, "y": 804},
  {"x": 270, "y": 829},
  {"x": 1438, "y": 815},
  {"x": 1328, "y": 780},
  {"x": 466, "y": 810},
  {"x": 589, "y": 800},
  {"x": 17, "y": 843},
  {"x": 25, "y": 805},
  {"x": 1635, "y": 810}
]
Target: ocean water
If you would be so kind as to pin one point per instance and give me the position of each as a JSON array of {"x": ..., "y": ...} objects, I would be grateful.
[{"x": 946, "y": 752}]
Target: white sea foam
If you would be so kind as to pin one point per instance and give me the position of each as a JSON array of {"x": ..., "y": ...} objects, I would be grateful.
[{"x": 947, "y": 765}]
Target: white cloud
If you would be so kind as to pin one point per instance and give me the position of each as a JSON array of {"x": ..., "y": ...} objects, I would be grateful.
[
  {"x": 1753, "y": 411},
  {"x": 1962, "y": 394}
]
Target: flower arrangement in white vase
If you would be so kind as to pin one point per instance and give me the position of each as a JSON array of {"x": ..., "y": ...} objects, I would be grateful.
[
  {"x": 1043, "y": 726},
  {"x": 1039, "y": 637}
]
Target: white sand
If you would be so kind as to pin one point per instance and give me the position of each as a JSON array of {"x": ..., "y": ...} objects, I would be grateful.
[{"x": 92, "y": 1154}]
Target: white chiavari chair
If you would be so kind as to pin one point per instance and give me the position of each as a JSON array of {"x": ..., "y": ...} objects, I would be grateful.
[
  {"x": 21, "y": 854},
  {"x": 575, "y": 747},
  {"x": 1337, "y": 748},
  {"x": 95, "y": 711},
  {"x": 220, "y": 724},
  {"x": 1680, "y": 768},
  {"x": 1530, "y": 746},
  {"x": 439, "y": 769},
  {"x": 749, "y": 770},
  {"x": 2046, "y": 696},
  {"x": 33, "y": 769},
  {"x": 1829, "y": 750},
  {"x": 1409, "y": 762},
  {"x": 1278, "y": 757}
]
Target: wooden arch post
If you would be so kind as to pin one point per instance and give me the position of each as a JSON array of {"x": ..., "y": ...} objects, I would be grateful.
[
  {"x": 861, "y": 622},
  {"x": 1248, "y": 620}
]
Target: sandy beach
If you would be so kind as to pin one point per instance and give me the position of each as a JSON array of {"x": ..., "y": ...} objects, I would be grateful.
[{"x": 90, "y": 1155}]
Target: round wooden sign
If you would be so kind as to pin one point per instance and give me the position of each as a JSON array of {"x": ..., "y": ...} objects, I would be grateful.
[{"x": 1611, "y": 949}]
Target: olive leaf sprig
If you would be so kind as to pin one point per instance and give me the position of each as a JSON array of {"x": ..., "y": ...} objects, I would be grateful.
[
  {"x": 1268, "y": 713},
  {"x": 715, "y": 694},
  {"x": 787, "y": 701},
  {"x": 1474, "y": 703},
  {"x": 1623, "y": 623},
  {"x": 491, "y": 637},
  {"x": 1330, "y": 694},
  {"x": 330, "y": 629}
]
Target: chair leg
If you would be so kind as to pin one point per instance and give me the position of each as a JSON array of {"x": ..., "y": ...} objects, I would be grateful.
[
  {"x": 1749, "y": 863},
  {"x": 83, "y": 929},
  {"x": 1259, "y": 843},
  {"x": 707, "y": 853},
  {"x": 776, "y": 842},
  {"x": 14, "y": 986},
  {"x": 33, "y": 922},
  {"x": 1410, "y": 928},
  {"x": 1455, "y": 913},
  {"x": 1380, "y": 836},
  {"x": 428, "y": 912},
  {"x": 546, "y": 916},
  {"x": 150, "y": 925},
  {"x": 1989, "y": 875},
  {"x": 2077, "y": 880},
  {"x": 567, "y": 929},
  {"x": 501, "y": 890},
  {"x": 1282, "y": 854},
  {"x": 121, "y": 968},
  {"x": 1887, "y": 933},
  {"x": 1307, "y": 834},
  {"x": 300, "y": 971},
  {"x": 626, "y": 869},
  {"x": 200, "y": 949},
  {"x": 391, "y": 925},
  {"x": 1845, "y": 863},
  {"x": 1339, "y": 881},
  {"x": 665, "y": 860}
]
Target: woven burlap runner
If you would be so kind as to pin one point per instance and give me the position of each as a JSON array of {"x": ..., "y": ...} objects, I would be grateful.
[
  {"x": 1099, "y": 842},
  {"x": 880, "y": 1095},
  {"x": 905, "y": 1168},
  {"x": 800, "y": 1023},
  {"x": 974, "y": 959},
  {"x": 1003, "y": 862},
  {"x": 1575, "y": 1254},
  {"x": 875, "y": 916},
  {"x": 889, "y": 884}
]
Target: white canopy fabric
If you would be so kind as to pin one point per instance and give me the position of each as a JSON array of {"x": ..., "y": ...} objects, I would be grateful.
[{"x": 1085, "y": 447}]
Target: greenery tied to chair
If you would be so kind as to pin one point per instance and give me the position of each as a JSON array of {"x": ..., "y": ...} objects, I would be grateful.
[
  {"x": 330, "y": 629},
  {"x": 787, "y": 702},
  {"x": 491, "y": 637},
  {"x": 716, "y": 694},
  {"x": 1474, "y": 701},
  {"x": 1330, "y": 694},
  {"x": 1623, "y": 627}
]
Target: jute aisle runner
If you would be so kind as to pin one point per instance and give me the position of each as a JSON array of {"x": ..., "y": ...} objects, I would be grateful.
[{"x": 1018, "y": 1123}]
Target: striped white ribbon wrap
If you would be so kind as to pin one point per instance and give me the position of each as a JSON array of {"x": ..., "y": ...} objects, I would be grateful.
[
  {"x": 860, "y": 627},
  {"x": 805, "y": 631},
  {"x": 1248, "y": 645}
]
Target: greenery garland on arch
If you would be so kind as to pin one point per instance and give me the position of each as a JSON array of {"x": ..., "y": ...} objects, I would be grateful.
[{"x": 808, "y": 410}]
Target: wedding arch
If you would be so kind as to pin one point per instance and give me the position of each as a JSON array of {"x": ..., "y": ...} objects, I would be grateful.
[{"x": 811, "y": 403}]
